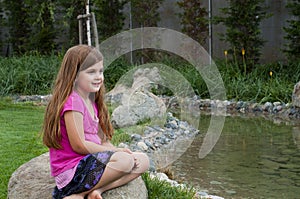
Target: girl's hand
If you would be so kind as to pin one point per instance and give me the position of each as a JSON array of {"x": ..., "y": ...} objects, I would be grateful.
[{"x": 136, "y": 163}]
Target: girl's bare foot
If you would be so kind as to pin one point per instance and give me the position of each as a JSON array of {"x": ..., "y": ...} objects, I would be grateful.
[
  {"x": 74, "y": 196},
  {"x": 96, "y": 194}
]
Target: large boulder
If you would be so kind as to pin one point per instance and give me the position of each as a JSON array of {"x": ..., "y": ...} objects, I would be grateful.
[
  {"x": 32, "y": 180},
  {"x": 135, "y": 102},
  {"x": 140, "y": 106},
  {"x": 296, "y": 95}
]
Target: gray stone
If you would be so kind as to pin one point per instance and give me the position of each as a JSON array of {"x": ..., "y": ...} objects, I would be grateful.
[
  {"x": 267, "y": 106},
  {"x": 135, "y": 103},
  {"x": 230, "y": 192},
  {"x": 215, "y": 182},
  {"x": 142, "y": 145},
  {"x": 136, "y": 137},
  {"x": 296, "y": 95},
  {"x": 32, "y": 180},
  {"x": 136, "y": 107}
]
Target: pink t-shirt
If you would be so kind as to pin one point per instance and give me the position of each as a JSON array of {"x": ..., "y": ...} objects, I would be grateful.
[{"x": 63, "y": 162}]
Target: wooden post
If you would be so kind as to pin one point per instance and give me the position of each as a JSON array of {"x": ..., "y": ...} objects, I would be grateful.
[
  {"x": 88, "y": 28},
  {"x": 79, "y": 17},
  {"x": 95, "y": 35},
  {"x": 94, "y": 26}
]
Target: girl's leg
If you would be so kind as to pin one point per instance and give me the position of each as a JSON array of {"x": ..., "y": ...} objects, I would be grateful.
[
  {"x": 119, "y": 164},
  {"x": 141, "y": 165},
  {"x": 76, "y": 196}
]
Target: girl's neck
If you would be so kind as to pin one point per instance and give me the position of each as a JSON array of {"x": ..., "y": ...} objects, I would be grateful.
[
  {"x": 88, "y": 102},
  {"x": 84, "y": 96}
]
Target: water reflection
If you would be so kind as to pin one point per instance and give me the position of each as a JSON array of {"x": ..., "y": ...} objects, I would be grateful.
[{"x": 254, "y": 158}]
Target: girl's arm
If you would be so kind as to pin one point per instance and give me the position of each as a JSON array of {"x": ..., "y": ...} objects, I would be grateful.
[
  {"x": 108, "y": 144},
  {"x": 75, "y": 131}
]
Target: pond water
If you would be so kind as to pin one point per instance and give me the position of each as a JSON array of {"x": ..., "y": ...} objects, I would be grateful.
[{"x": 253, "y": 158}]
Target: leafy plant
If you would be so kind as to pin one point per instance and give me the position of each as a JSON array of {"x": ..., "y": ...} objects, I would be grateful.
[
  {"x": 42, "y": 28},
  {"x": 293, "y": 32},
  {"x": 242, "y": 20},
  {"x": 119, "y": 137},
  {"x": 18, "y": 27},
  {"x": 109, "y": 15},
  {"x": 28, "y": 30},
  {"x": 145, "y": 12},
  {"x": 67, "y": 11},
  {"x": 1, "y": 24},
  {"x": 27, "y": 75},
  {"x": 163, "y": 190},
  {"x": 193, "y": 20}
]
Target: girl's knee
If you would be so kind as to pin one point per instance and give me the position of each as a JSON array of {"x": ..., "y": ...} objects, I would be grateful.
[
  {"x": 125, "y": 161},
  {"x": 143, "y": 160}
]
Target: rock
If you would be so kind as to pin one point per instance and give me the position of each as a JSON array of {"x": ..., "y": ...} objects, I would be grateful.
[
  {"x": 267, "y": 106},
  {"x": 215, "y": 182},
  {"x": 136, "y": 137},
  {"x": 296, "y": 95},
  {"x": 135, "y": 102},
  {"x": 137, "y": 107},
  {"x": 145, "y": 77},
  {"x": 142, "y": 145},
  {"x": 230, "y": 192},
  {"x": 115, "y": 95},
  {"x": 32, "y": 180}
]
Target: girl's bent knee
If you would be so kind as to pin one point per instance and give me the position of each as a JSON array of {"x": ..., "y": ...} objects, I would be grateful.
[
  {"x": 124, "y": 161},
  {"x": 145, "y": 162}
]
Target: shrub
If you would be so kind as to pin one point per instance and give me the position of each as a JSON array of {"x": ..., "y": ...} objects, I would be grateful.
[
  {"x": 193, "y": 20},
  {"x": 293, "y": 32},
  {"x": 163, "y": 190},
  {"x": 242, "y": 20},
  {"x": 28, "y": 75},
  {"x": 110, "y": 19}
]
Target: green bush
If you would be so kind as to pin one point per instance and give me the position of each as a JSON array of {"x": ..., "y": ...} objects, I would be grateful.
[
  {"x": 34, "y": 75},
  {"x": 293, "y": 32},
  {"x": 242, "y": 20},
  {"x": 115, "y": 70},
  {"x": 109, "y": 17},
  {"x": 28, "y": 75},
  {"x": 269, "y": 82},
  {"x": 194, "y": 20}
]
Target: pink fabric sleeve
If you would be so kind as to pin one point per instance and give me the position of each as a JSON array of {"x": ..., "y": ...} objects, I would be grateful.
[{"x": 73, "y": 103}]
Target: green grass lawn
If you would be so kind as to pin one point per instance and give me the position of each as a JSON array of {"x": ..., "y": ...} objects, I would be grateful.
[
  {"x": 20, "y": 125},
  {"x": 19, "y": 138}
]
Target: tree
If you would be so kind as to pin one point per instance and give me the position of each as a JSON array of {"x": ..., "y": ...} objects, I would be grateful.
[
  {"x": 145, "y": 12},
  {"x": 109, "y": 17},
  {"x": 31, "y": 25},
  {"x": 1, "y": 25},
  {"x": 194, "y": 20},
  {"x": 19, "y": 29},
  {"x": 43, "y": 32},
  {"x": 67, "y": 11},
  {"x": 293, "y": 32},
  {"x": 242, "y": 19}
]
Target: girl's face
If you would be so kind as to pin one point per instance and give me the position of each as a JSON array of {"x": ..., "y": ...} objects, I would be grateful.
[{"x": 90, "y": 80}]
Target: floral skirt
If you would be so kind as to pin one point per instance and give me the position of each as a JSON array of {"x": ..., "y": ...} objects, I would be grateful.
[{"x": 88, "y": 173}]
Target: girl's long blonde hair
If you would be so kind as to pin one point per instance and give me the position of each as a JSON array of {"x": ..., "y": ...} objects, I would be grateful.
[{"x": 76, "y": 59}]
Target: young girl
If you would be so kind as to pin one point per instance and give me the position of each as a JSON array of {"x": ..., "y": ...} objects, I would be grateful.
[{"x": 77, "y": 131}]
